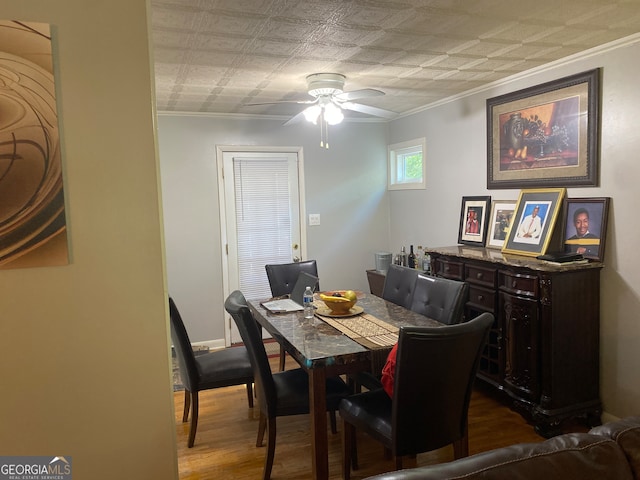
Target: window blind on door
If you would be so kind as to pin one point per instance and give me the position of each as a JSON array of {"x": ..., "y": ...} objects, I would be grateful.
[{"x": 263, "y": 220}]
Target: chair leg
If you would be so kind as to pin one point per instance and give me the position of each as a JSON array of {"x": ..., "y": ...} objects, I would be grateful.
[
  {"x": 262, "y": 426},
  {"x": 332, "y": 421},
  {"x": 194, "y": 419},
  {"x": 250, "y": 394},
  {"x": 271, "y": 449},
  {"x": 187, "y": 404},
  {"x": 283, "y": 358},
  {"x": 387, "y": 453},
  {"x": 348, "y": 433},
  {"x": 353, "y": 384},
  {"x": 461, "y": 447},
  {"x": 354, "y": 448}
]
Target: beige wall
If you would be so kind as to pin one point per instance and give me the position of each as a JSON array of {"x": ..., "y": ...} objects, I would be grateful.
[{"x": 85, "y": 364}]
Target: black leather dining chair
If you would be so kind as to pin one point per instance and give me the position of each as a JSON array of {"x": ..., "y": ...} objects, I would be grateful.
[
  {"x": 399, "y": 285},
  {"x": 440, "y": 298},
  {"x": 435, "y": 371},
  {"x": 216, "y": 369},
  {"x": 281, "y": 393},
  {"x": 282, "y": 278}
]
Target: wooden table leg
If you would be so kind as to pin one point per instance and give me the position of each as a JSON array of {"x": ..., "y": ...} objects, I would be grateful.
[{"x": 318, "y": 413}]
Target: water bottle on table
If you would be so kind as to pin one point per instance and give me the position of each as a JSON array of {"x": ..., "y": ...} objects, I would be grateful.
[{"x": 307, "y": 303}]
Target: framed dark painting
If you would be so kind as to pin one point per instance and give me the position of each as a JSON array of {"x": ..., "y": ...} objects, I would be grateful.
[
  {"x": 533, "y": 221},
  {"x": 586, "y": 226},
  {"x": 545, "y": 136},
  {"x": 474, "y": 219}
]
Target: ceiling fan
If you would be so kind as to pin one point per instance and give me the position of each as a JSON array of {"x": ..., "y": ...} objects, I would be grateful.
[{"x": 329, "y": 99}]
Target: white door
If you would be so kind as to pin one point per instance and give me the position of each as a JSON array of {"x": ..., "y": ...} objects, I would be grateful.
[{"x": 261, "y": 218}]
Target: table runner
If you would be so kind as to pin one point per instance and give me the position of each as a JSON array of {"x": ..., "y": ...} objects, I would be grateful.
[{"x": 370, "y": 332}]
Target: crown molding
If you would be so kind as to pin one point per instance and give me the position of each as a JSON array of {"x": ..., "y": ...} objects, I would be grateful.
[{"x": 623, "y": 42}]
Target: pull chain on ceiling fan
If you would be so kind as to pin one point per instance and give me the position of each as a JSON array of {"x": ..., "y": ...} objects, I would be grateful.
[{"x": 330, "y": 100}]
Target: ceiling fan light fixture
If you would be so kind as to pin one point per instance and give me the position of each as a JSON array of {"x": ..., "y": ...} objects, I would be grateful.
[
  {"x": 325, "y": 84},
  {"x": 331, "y": 100},
  {"x": 312, "y": 113},
  {"x": 333, "y": 114},
  {"x": 319, "y": 92}
]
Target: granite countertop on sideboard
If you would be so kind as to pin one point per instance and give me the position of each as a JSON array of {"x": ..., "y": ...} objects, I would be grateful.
[{"x": 493, "y": 255}]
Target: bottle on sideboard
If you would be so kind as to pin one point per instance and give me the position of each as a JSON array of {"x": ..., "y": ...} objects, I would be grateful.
[
  {"x": 426, "y": 262},
  {"x": 419, "y": 257},
  {"x": 411, "y": 259},
  {"x": 403, "y": 257}
]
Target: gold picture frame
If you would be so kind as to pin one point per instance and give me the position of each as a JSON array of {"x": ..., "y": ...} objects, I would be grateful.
[{"x": 534, "y": 220}]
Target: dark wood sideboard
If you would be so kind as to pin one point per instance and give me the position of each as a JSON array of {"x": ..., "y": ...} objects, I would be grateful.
[
  {"x": 376, "y": 282},
  {"x": 544, "y": 347}
]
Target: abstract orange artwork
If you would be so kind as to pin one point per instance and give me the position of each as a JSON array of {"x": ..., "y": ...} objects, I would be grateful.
[{"x": 33, "y": 229}]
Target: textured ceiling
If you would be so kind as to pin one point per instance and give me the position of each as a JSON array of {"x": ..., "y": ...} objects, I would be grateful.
[{"x": 217, "y": 55}]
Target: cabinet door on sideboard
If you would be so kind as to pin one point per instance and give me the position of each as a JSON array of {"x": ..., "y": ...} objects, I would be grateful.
[{"x": 521, "y": 338}]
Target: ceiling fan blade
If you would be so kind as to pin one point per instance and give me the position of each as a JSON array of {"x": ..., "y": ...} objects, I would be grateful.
[
  {"x": 295, "y": 119},
  {"x": 299, "y": 102},
  {"x": 369, "y": 110},
  {"x": 356, "y": 94}
]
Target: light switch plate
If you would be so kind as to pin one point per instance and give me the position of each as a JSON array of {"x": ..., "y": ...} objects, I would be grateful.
[{"x": 314, "y": 219}]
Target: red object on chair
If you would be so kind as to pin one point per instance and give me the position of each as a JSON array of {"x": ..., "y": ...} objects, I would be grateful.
[{"x": 389, "y": 371}]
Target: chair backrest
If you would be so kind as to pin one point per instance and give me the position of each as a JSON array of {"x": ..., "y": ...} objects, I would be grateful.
[
  {"x": 236, "y": 306},
  {"x": 182, "y": 346},
  {"x": 435, "y": 371},
  {"x": 399, "y": 285},
  {"x": 440, "y": 298},
  {"x": 282, "y": 276}
]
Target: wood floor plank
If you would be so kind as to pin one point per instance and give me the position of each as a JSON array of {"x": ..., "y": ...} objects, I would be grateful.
[{"x": 225, "y": 441}]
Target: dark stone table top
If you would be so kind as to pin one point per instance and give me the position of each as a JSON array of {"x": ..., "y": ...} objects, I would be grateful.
[{"x": 314, "y": 343}]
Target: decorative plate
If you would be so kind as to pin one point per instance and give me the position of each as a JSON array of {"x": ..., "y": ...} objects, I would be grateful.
[{"x": 326, "y": 311}]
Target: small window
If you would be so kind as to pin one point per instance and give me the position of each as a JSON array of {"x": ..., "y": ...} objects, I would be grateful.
[{"x": 407, "y": 170}]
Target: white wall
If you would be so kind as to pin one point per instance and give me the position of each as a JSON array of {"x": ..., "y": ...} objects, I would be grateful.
[
  {"x": 346, "y": 185},
  {"x": 85, "y": 353},
  {"x": 456, "y": 149}
]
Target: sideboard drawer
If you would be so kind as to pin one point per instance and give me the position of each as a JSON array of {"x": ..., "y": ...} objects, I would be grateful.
[
  {"x": 480, "y": 275},
  {"x": 449, "y": 269},
  {"x": 518, "y": 283},
  {"x": 482, "y": 298}
]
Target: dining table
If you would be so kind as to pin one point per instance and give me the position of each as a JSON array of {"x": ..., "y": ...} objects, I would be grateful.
[{"x": 331, "y": 345}]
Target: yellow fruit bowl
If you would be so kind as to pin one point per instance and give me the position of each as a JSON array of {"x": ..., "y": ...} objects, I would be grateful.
[{"x": 339, "y": 301}]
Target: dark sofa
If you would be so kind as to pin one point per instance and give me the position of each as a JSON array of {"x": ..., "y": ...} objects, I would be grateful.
[{"x": 609, "y": 451}]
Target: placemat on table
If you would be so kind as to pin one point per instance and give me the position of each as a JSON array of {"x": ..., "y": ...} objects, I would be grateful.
[{"x": 370, "y": 332}]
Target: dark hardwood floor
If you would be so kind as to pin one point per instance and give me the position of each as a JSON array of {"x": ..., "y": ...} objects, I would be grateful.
[{"x": 225, "y": 441}]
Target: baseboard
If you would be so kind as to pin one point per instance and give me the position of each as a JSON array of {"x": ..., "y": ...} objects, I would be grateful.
[
  {"x": 270, "y": 345},
  {"x": 211, "y": 344}
]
